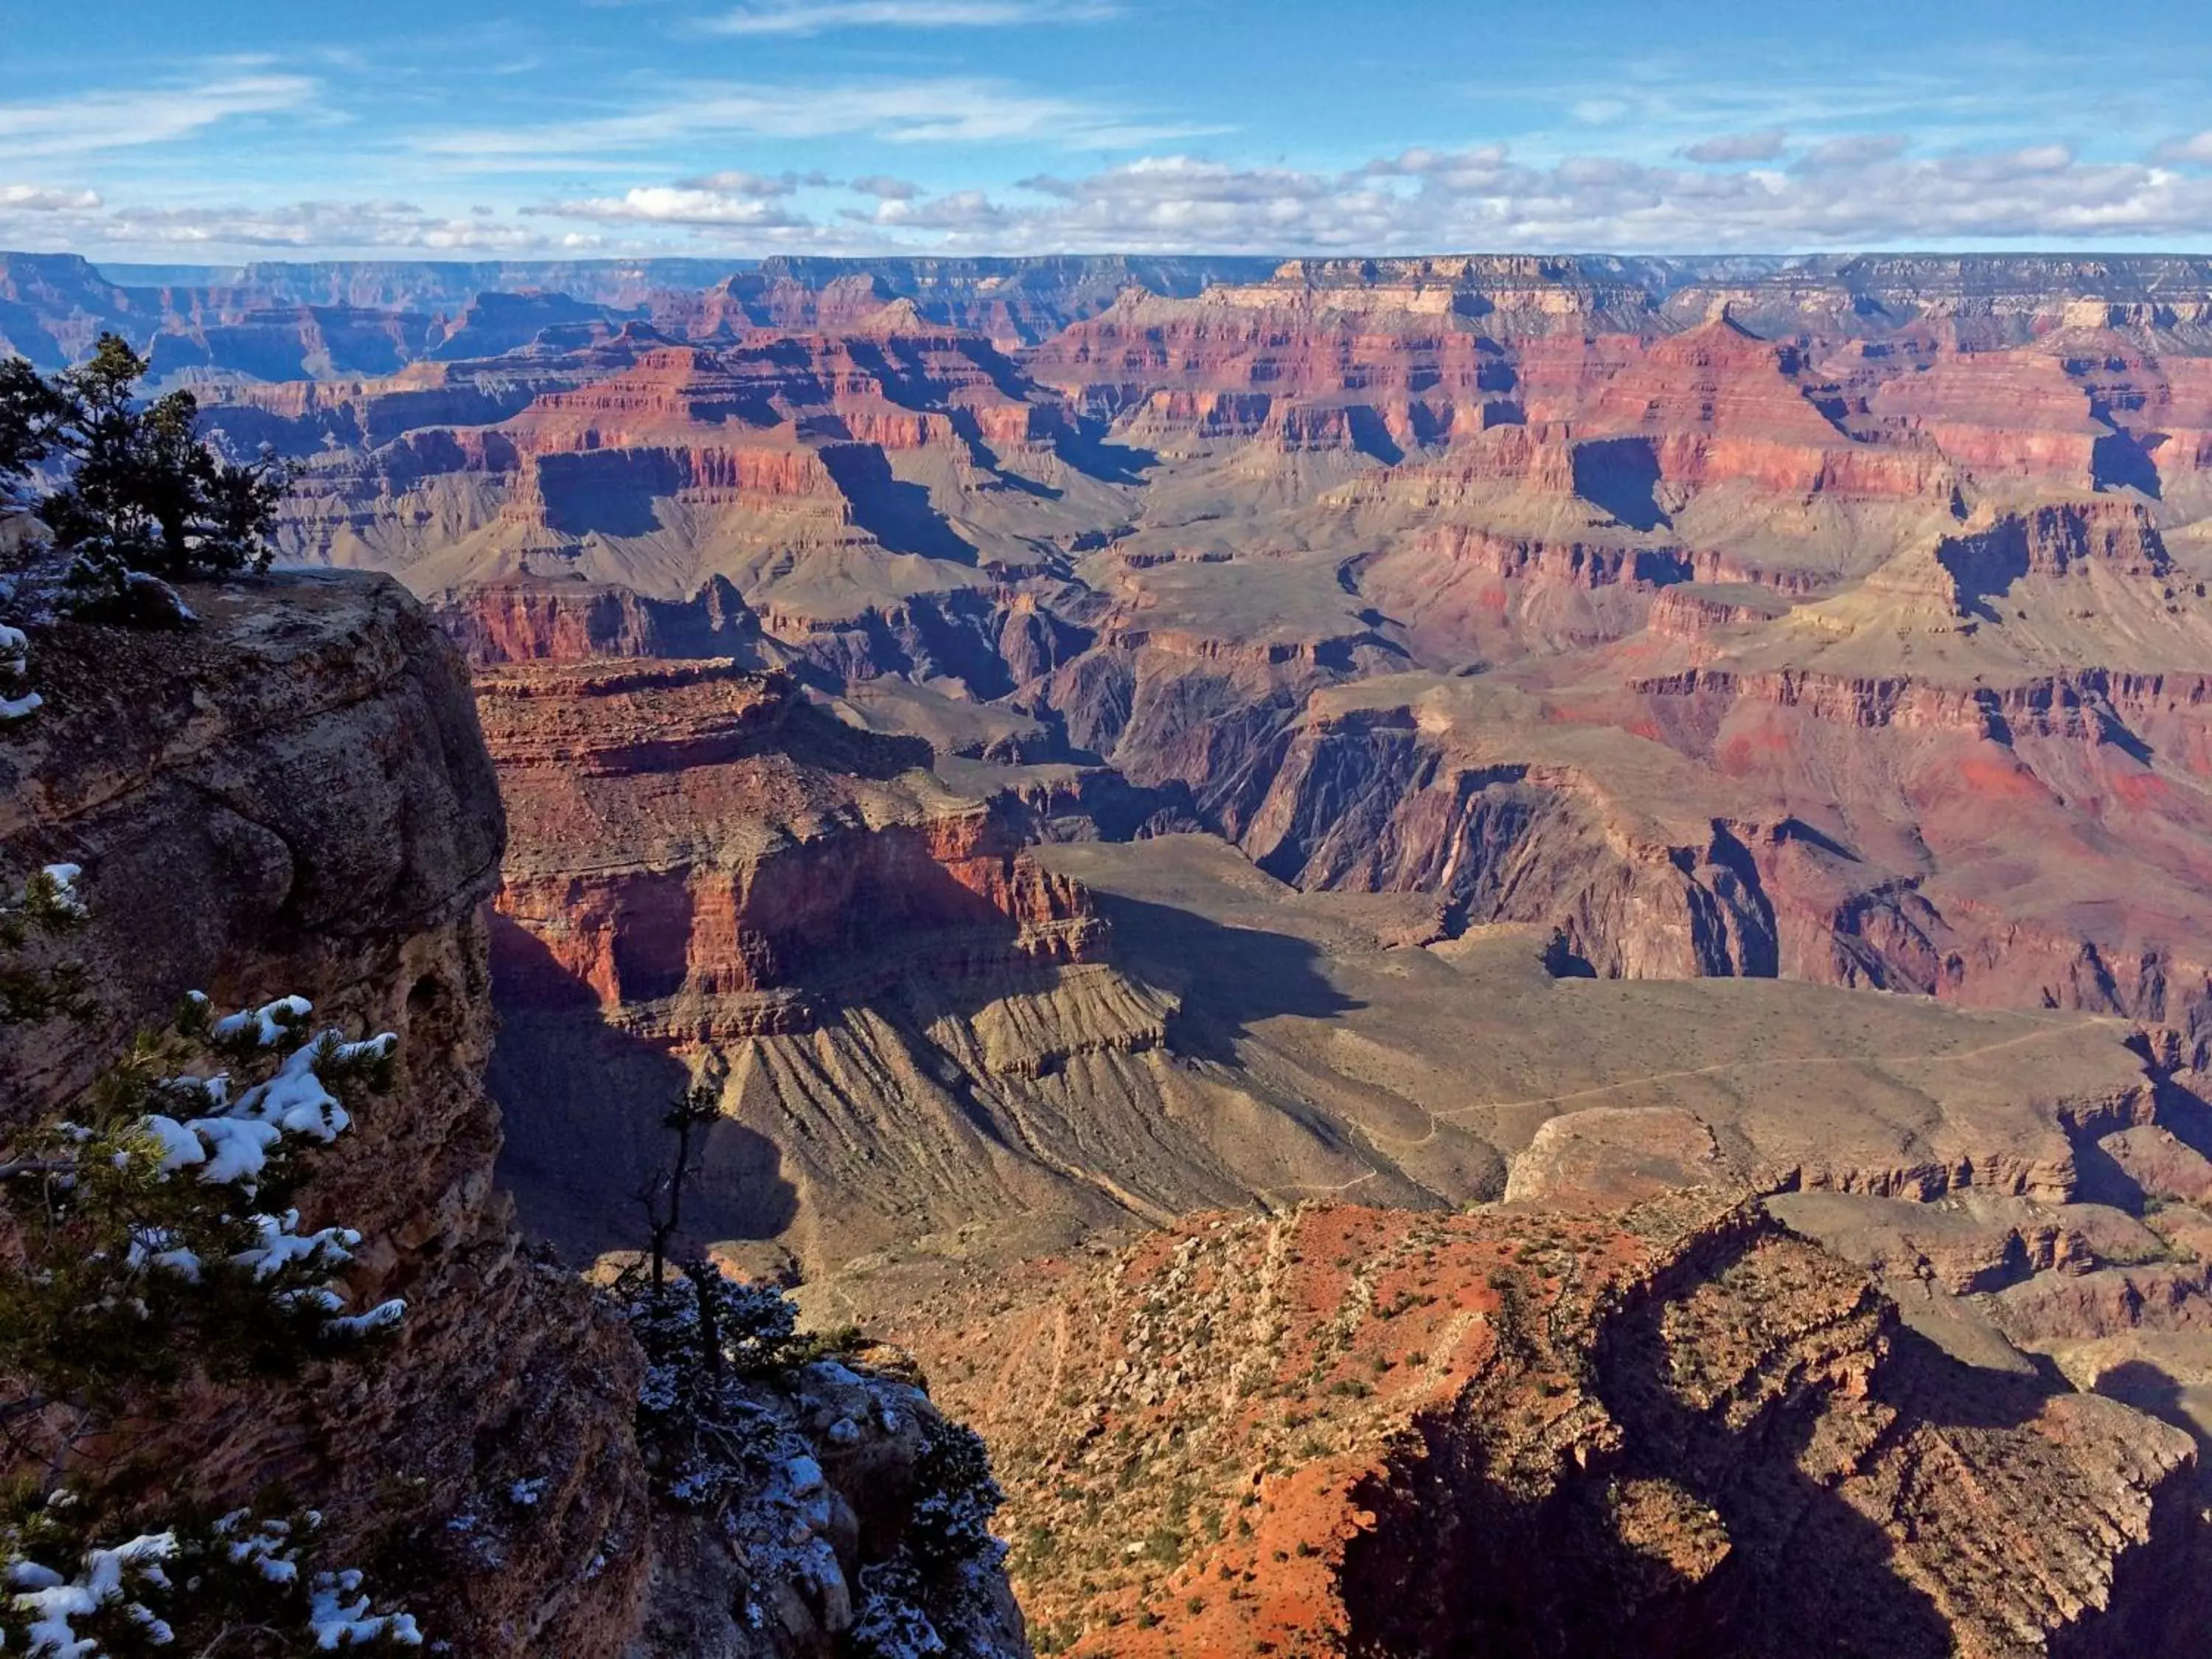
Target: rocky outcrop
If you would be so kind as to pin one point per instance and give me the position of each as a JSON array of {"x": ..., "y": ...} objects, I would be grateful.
[
  {"x": 909, "y": 1020},
  {"x": 1013, "y": 302},
  {"x": 661, "y": 465},
  {"x": 293, "y": 799},
  {"x": 1367, "y": 801},
  {"x": 2052, "y": 540},
  {"x": 1681, "y": 1427},
  {"x": 836, "y": 853},
  {"x": 1663, "y": 850},
  {"x": 1287, "y": 370},
  {"x": 808, "y": 1562},
  {"x": 571, "y": 622}
]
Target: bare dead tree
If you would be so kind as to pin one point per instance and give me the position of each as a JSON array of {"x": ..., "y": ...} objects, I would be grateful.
[{"x": 663, "y": 1195}]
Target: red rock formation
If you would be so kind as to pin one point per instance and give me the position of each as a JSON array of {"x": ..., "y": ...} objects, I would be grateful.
[
  {"x": 369, "y": 413},
  {"x": 1216, "y": 367},
  {"x": 706, "y": 855},
  {"x": 573, "y": 622},
  {"x": 1508, "y": 820},
  {"x": 1719, "y": 404},
  {"x": 294, "y": 797},
  {"x": 1681, "y": 1430},
  {"x": 1573, "y": 472}
]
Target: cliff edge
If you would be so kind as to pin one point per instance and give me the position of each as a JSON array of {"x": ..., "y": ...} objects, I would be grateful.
[{"x": 293, "y": 799}]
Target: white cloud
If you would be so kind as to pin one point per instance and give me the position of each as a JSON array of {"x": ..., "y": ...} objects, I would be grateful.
[
  {"x": 1858, "y": 151},
  {"x": 107, "y": 120},
  {"x": 2198, "y": 149},
  {"x": 1861, "y": 194},
  {"x": 965, "y": 211},
  {"x": 1766, "y": 146},
  {"x": 1852, "y": 190},
  {"x": 1600, "y": 111},
  {"x": 315, "y": 225},
  {"x": 801, "y": 17},
  {"x": 884, "y": 188},
  {"x": 668, "y": 204},
  {"x": 1181, "y": 178},
  {"x": 757, "y": 184},
  {"x": 948, "y": 111},
  {"x": 1459, "y": 171},
  {"x": 29, "y": 198}
]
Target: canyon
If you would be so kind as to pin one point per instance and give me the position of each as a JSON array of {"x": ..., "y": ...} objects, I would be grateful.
[{"x": 1479, "y": 949}]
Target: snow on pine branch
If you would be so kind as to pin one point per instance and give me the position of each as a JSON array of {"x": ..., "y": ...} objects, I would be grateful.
[
  {"x": 106, "y": 1581},
  {"x": 17, "y": 698},
  {"x": 61, "y": 890},
  {"x": 232, "y": 1138},
  {"x": 210, "y": 1261},
  {"x": 160, "y": 1245},
  {"x": 161, "y": 1591},
  {"x": 46, "y": 909}
]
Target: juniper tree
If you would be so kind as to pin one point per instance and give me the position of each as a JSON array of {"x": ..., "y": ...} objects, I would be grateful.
[
  {"x": 158, "y": 1234},
  {"x": 662, "y": 1195},
  {"x": 29, "y": 409},
  {"x": 134, "y": 487},
  {"x": 705, "y": 1334},
  {"x": 724, "y": 1359},
  {"x": 47, "y": 911}
]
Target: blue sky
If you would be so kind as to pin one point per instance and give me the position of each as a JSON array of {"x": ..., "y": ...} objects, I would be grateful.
[{"x": 249, "y": 128}]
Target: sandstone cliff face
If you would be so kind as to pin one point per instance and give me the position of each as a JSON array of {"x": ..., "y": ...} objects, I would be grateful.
[
  {"x": 760, "y": 448},
  {"x": 293, "y": 799},
  {"x": 568, "y": 621},
  {"x": 908, "y": 1018},
  {"x": 1815, "y": 825},
  {"x": 850, "y": 861},
  {"x": 1367, "y": 802}
]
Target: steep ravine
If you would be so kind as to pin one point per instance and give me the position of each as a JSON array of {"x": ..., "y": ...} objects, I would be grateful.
[
  {"x": 912, "y": 1023},
  {"x": 1658, "y": 835}
]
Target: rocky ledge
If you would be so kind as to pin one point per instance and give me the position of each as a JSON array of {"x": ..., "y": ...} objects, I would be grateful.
[{"x": 293, "y": 799}]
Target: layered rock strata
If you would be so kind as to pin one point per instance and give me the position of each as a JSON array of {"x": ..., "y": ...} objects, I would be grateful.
[{"x": 294, "y": 797}]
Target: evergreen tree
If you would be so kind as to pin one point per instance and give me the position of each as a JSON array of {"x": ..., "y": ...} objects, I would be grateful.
[
  {"x": 29, "y": 409},
  {"x": 135, "y": 489}
]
